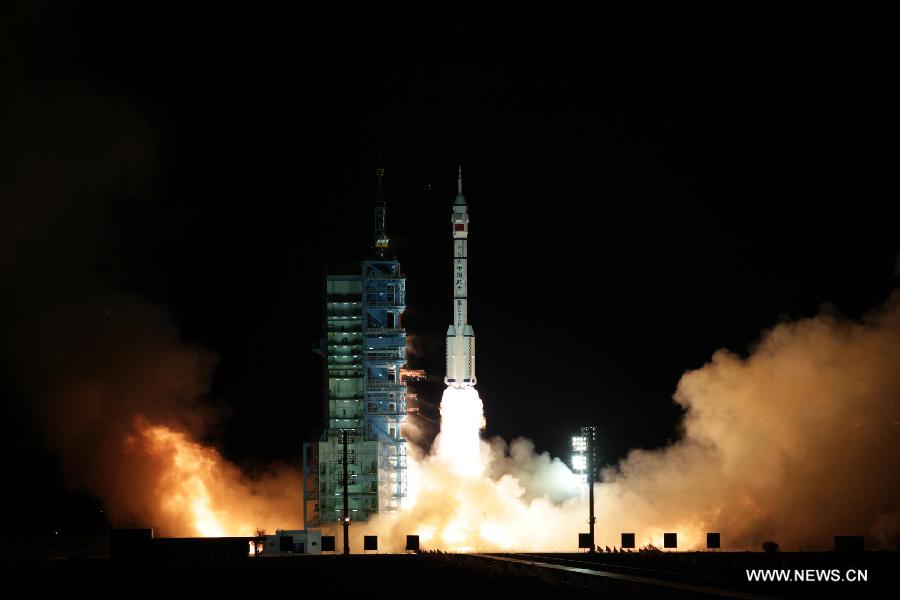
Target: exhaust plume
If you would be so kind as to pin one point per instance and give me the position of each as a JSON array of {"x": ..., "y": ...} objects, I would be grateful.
[
  {"x": 123, "y": 404},
  {"x": 797, "y": 442},
  {"x": 89, "y": 371}
]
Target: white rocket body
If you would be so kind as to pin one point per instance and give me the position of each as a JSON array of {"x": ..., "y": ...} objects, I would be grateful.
[{"x": 460, "y": 335}]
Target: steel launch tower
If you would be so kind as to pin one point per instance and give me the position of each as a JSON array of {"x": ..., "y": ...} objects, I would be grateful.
[
  {"x": 460, "y": 335},
  {"x": 358, "y": 467}
]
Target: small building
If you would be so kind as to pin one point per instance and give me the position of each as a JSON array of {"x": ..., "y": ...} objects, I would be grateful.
[
  {"x": 294, "y": 541},
  {"x": 140, "y": 544}
]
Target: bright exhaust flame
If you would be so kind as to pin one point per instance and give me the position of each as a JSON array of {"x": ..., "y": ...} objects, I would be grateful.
[
  {"x": 185, "y": 490},
  {"x": 468, "y": 495},
  {"x": 757, "y": 431},
  {"x": 459, "y": 442},
  {"x": 199, "y": 493}
]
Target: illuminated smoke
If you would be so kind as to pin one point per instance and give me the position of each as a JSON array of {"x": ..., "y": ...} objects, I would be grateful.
[
  {"x": 469, "y": 495},
  {"x": 798, "y": 442},
  {"x": 197, "y": 492},
  {"x": 123, "y": 404}
]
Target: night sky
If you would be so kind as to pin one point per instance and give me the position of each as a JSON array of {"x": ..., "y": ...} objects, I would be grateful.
[{"x": 633, "y": 208}]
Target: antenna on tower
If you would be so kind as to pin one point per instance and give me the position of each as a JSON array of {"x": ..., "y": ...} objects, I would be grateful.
[{"x": 381, "y": 238}]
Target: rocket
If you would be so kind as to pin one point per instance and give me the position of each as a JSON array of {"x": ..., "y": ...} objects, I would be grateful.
[{"x": 460, "y": 335}]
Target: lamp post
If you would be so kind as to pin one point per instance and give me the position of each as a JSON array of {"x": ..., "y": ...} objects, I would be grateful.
[
  {"x": 584, "y": 465},
  {"x": 346, "y": 521}
]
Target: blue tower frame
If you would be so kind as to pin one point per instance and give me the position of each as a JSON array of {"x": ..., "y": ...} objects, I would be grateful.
[{"x": 385, "y": 393}]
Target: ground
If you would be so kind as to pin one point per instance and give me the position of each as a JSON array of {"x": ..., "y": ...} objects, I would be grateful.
[{"x": 658, "y": 575}]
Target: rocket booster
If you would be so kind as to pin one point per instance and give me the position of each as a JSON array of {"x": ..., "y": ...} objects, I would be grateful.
[{"x": 460, "y": 335}]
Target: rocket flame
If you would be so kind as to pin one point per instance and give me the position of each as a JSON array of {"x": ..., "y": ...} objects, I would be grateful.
[
  {"x": 742, "y": 467},
  {"x": 184, "y": 485},
  {"x": 468, "y": 495},
  {"x": 199, "y": 493},
  {"x": 757, "y": 431},
  {"x": 459, "y": 442}
]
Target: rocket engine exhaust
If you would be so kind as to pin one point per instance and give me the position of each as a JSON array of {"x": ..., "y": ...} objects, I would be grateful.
[{"x": 462, "y": 419}]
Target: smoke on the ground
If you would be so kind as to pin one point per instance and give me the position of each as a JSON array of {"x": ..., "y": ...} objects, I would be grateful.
[
  {"x": 797, "y": 442},
  {"x": 87, "y": 364}
]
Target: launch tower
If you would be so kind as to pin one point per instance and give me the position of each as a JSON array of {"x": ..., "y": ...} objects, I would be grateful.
[{"x": 364, "y": 346}]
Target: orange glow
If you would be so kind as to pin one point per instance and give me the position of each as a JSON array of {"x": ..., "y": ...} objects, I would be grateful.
[
  {"x": 199, "y": 493},
  {"x": 185, "y": 486},
  {"x": 412, "y": 374}
]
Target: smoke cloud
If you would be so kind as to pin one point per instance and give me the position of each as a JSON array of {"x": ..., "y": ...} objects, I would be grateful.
[
  {"x": 797, "y": 442},
  {"x": 102, "y": 374},
  {"x": 123, "y": 410},
  {"x": 468, "y": 494},
  {"x": 89, "y": 367}
]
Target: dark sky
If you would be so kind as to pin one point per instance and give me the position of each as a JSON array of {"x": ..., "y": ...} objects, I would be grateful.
[{"x": 635, "y": 205}]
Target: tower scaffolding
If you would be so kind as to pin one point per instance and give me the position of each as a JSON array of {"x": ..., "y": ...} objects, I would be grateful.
[{"x": 364, "y": 347}]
